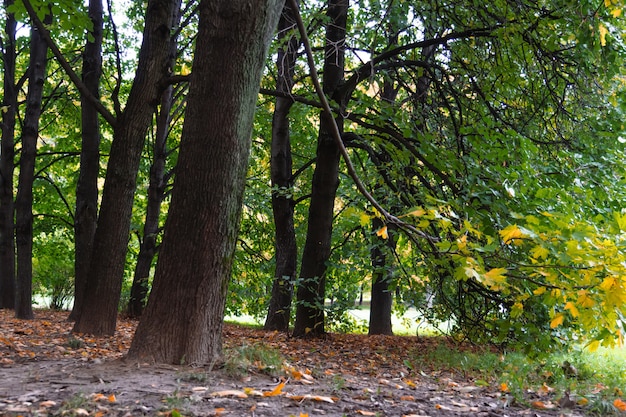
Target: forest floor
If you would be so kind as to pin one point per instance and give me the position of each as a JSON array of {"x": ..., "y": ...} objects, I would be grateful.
[{"x": 46, "y": 371}]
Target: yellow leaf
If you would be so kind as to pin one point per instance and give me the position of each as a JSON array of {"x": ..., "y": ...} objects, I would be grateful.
[
  {"x": 608, "y": 283},
  {"x": 572, "y": 309},
  {"x": 382, "y": 232},
  {"x": 539, "y": 252},
  {"x": 557, "y": 321},
  {"x": 593, "y": 346},
  {"x": 276, "y": 391},
  {"x": 504, "y": 387},
  {"x": 584, "y": 300},
  {"x": 616, "y": 12},
  {"x": 540, "y": 290},
  {"x": 496, "y": 275},
  {"x": 582, "y": 402},
  {"x": 364, "y": 219},
  {"x": 419, "y": 212},
  {"x": 112, "y": 398},
  {"x": 229, "y": 393},
  {"x": 603, "y": 31},
  {"x": 510, "y": 233}
]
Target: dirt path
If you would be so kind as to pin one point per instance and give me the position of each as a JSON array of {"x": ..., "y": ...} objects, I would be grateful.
[{"x": 49, "y": 373}]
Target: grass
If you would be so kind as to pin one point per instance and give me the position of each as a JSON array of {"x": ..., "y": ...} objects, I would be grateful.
[
  {"x": 594, "y": 380},
  {"x": 247, "y": 358}
]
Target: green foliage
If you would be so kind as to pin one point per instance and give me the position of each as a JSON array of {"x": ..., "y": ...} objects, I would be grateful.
[{"x": 53, "y": 268}]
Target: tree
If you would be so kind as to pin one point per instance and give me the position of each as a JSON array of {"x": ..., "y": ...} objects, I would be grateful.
[
  {"x": 286, "y": 255},
  {"x": 24, "y": 200},
  {"x": 183, "y": 318},
  {"x": 156, "y": 194},
  {"x": 311, "y": 282},
  {"x": 102, "y": 294},
  {"x": 7, "y": 153},
  {"x": 86, "y": 213}
]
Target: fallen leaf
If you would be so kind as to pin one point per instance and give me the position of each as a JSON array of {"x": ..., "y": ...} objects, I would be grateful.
[
  {"x": 276, "y": 391},
  {"x": 542, "y": 405},
  {"x": 47, "y": 404},
  {"x": 365, "y": 413},
  {"x": 619, "y": 404},
  {"x": 313, "y": 397},
  {"x": 229, "y": 393}
]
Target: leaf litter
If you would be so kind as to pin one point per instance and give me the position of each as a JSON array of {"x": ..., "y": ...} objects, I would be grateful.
[{"x": 47, "y": 371}]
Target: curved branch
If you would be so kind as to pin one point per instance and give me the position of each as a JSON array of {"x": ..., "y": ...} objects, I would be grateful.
[
  {"x": 328, "y": 112},
  {"x": 45, "y": 34}
]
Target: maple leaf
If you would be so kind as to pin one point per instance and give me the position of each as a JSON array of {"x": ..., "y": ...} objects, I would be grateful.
[
  {"x": 557, "y": 320},
  {"x": 510, "y": 233},
  {"x": 382, "y": 232},
  {"x": 278, "y": 390}
]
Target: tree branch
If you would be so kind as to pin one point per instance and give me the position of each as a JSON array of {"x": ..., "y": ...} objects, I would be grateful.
[
  {"x": 337, "y": 135},
  {"x": 45, "y": 34}
]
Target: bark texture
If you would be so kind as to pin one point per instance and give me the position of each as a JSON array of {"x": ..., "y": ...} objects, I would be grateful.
[
  {"x": 382, "y": 275},
  {"x": 7, "y": 153},
  {"x": 98, "y": 314},
  {"x": 311, "y": 284},
  {"x": 279, "y": 311},
  {"x": 86, "y": 214},
  {"x": 156, "y": 194},
  {"x": 24, "y": 198},
  {"x": 183, "y": 319}
]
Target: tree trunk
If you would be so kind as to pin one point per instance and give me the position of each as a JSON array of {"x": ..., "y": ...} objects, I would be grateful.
[
  {"x": 183, "y": 318},
  {"x": 382, "y": 298},
  {"x": 311, "y": 285},
  {"x": 7, "y": 153},
  {"x": 156, "y": 194},
  {"x": 98, "y": 314},
  {"x": 86, "y": 214},
  {"x": 24, "y": 199},
  {"x": 279, "y": 311}
]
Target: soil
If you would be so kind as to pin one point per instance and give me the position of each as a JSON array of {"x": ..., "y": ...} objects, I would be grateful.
[{"x": 45, "y": 371}]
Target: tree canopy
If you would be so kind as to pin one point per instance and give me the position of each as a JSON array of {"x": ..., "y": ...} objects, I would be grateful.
[{"x": 460, "y": 158}]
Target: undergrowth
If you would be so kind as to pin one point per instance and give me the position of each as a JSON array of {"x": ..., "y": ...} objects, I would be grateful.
[
  {"x": 247, "y": 358},
  {"x": 595, "y": 381}
]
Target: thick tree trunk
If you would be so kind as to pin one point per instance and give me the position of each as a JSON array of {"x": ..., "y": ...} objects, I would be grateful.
[
  {"x": 279, "y": 311},
  {"x": 382, "y": 297},
  {"x": 183, "y": 319},
  {"x": 311, "y": 285},
  {"x": 7, "y": 153},
  {"x": 102, "y": 294},
  {"x": 156, "y": 194},
  {"x": 24, "y": 199},
  {"x": 86, "y": 214}
]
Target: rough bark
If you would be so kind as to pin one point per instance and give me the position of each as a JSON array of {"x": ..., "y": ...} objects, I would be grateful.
[
  {"x": 24, "y": 198},
  {"x": 102, "y": 294},
  {"x": 86, "y": 213},
  {"x": 183, "y": 319},
  {"x": 382, "y": 297},
  {"x": 7, "y": 153},
  {"x": 311, "y": 284},
  {"x": 156, "y": 194},
  {"x": 279, "y": 310}
]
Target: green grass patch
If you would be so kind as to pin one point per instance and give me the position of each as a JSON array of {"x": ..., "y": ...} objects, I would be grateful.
[
  {"x": 256, "y": 358},
  {"x": 592, "y": 380}
]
